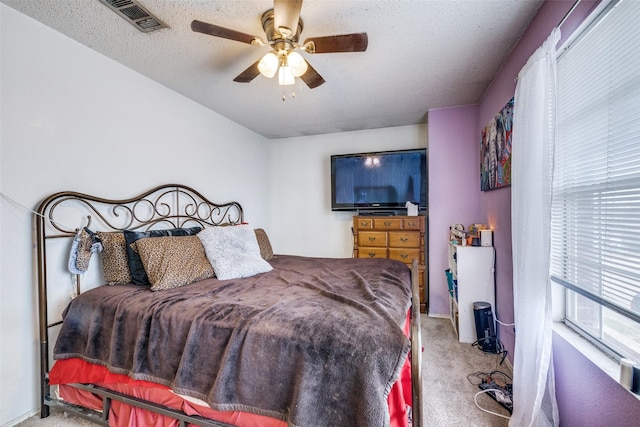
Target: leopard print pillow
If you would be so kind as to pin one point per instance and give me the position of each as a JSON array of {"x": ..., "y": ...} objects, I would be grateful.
[
  {"x": 266, "y": 252},
  {"x": 114, "y": 258},
  {"x": 173, "y": 261}
]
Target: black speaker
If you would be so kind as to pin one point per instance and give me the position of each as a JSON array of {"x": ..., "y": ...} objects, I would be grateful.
[
  {"x": 485, "y": 328},
  {"x": 635, "y": 379}
]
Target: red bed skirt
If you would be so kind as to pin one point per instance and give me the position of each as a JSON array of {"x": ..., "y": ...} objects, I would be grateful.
[{"x": 70, "y": 371}]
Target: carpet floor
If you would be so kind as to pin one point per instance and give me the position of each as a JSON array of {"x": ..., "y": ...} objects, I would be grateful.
[{"x": 451, "y": 374}]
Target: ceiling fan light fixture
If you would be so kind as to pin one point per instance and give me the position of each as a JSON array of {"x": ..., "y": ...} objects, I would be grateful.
[
  {"x": 282, "y": 26},
  {"x": 297, "y": 63},
  {"x": 285, "y": 76},
  {"x": 268, "y": 65}
]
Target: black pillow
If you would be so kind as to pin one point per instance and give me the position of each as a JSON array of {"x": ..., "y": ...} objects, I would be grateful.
[{"x": 138, "y": 274}]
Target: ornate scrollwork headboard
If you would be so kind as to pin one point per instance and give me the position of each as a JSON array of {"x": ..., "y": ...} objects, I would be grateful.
[
  {"x": 171, "y": 205},
  {"x": 61, "y": 215}
]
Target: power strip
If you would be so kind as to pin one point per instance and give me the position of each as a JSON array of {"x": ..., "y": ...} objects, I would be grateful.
[{"x": 502, "y": 395}]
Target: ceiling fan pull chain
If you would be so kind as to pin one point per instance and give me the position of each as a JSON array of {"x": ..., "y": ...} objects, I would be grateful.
[{"x": 293, "y": 90}]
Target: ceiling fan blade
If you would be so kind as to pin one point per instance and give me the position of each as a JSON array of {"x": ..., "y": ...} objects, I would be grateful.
[
  {"x": 356, "y": 42},
  {"x": 225, "y": 33},
  {"x": 311, "y": 77},
  {"x": 286, "y": 14},
  {"x": 249, "y": 74}
]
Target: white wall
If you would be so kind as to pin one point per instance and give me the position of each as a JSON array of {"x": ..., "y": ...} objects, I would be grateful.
[
  {"x": 301, "y": 220},
  {"x": 72, "y": 119}
]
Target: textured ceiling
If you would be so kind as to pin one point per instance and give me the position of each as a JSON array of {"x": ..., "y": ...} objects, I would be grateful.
[{"x": 421, "y": 55}]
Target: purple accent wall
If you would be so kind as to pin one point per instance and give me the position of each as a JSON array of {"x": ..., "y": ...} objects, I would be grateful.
[
  {"x": 454, "y": 189},
  {"x": 586, "y": 395}
]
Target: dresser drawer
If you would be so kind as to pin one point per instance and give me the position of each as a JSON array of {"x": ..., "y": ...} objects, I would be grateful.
[
  {"x": 387, "y": 223},
  {"x": 411, "y": 224},
  {"x": 404, "y": 239},
  {"x": 405, "y": 255},
  {"x": 372, "y": 238},
  {"x": 362, "y": 224},
  {"x": 372, "y": 252}
]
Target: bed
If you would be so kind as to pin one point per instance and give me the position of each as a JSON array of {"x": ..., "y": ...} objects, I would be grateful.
[{"x": 200, "y": 323}]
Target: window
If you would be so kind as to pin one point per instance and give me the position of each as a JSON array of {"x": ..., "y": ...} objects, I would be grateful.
[{"x": 595, "y": 237}]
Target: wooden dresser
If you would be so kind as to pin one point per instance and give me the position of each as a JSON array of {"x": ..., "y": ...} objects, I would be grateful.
[{"x": 396, "y": 237}]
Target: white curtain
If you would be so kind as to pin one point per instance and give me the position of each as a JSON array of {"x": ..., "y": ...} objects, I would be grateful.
[{"x": 534, "y": 401}]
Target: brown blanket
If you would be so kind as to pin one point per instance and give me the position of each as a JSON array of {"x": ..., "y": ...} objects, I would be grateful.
[{"x": 314, "y": 342}]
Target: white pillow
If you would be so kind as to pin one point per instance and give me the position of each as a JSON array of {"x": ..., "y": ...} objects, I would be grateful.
[{"x": 233, "y": 251}]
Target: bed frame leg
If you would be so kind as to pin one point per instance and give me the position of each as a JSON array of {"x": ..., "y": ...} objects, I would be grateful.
[
  {"x": 44, "y": 410},
  {"x": 106, "y": 408},
  {"x": 44, "y": 382}
]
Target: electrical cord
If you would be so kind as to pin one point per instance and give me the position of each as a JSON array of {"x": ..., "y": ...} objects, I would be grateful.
[
  {"x": 493, "y": 276},
  {"x": 20, "y": 205},
  {"x": 475, "y": 399},
  {"x": 73, "y": 277},
  {"x": 503, "y": 324},
  {"x": 490, "y": 377},
  {"x": 500, "y": 349}
]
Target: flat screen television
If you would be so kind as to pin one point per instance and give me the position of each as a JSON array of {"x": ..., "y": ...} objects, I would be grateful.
[{"x": 380, "y": 181}]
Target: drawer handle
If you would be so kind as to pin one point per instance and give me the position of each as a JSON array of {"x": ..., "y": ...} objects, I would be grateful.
[
  {"x": 404, "y": 256},
  {"x": 372, "y": 254},
  {"x": 371, "y": 239},
  {"x": 404, "y": 239},
  {"x": 411, "y": 224},
  {"x": 364, "y": 224},
  {"x": 387, "y": 223}
]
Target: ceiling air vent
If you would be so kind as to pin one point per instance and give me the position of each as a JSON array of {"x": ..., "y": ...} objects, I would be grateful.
[{"x": 134, "y": 13}]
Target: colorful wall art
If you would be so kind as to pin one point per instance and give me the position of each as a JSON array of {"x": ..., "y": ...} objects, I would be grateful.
[{"x": 495, "y": 150}]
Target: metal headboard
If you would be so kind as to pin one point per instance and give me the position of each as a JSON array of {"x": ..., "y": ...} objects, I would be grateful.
[{"x": 61, "y": 215}]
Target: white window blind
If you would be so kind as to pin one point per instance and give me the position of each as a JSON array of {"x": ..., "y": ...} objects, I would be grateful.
[{"x": 595, "y": 246}]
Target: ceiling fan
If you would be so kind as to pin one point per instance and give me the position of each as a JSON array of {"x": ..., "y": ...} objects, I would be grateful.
[{"x": 282, "y": 26}]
